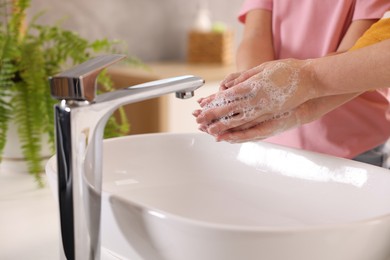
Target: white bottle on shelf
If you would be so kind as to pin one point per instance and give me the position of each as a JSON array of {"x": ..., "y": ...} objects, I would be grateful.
[{"x": 202, "y": 22}]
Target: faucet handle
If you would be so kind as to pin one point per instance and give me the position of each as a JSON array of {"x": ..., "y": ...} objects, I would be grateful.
[{"x": 79, "y": 82}]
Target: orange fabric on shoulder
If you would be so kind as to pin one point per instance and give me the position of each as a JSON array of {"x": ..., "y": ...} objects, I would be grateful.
[{"x": 378, "y": 32}]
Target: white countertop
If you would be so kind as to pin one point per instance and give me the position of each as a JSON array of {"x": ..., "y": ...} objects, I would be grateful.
[{"x": 29, "y": 222}]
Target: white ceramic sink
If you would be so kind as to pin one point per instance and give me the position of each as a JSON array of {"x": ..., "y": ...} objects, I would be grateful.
[{"x": 185, "y": 196}]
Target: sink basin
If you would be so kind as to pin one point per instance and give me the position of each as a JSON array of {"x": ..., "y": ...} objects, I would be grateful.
[{"x": 185, "y": 196}]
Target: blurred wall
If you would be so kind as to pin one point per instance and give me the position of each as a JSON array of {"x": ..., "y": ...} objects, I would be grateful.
[{"x": 154, "y": 30}]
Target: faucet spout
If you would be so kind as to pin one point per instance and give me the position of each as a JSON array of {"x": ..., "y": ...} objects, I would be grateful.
[{"x": 80, "y": 117}]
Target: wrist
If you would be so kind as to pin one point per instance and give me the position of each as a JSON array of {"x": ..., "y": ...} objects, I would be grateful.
[
  {"x": 318, "y": 76},
  {"x": 309, "y": 80}
]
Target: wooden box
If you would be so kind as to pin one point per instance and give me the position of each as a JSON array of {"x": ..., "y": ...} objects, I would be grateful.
[{"x": 210, "y": 47}]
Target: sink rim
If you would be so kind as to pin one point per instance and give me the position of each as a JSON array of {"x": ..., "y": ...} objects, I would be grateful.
[
  {"x": 248, "y": 229},
  {"x": 52, "y": 178}
]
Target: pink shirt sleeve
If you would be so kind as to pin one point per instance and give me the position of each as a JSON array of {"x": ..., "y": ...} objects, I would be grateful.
[
  {"x": 253, "y": 4},
  {"x": 369, "y": 9}
]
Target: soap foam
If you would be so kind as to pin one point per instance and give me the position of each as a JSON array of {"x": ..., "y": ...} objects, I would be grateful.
[
  {"x": 282, "y": 126},
  {"x": 279, "y": 89},
  {"x": 272, "y": 87}
]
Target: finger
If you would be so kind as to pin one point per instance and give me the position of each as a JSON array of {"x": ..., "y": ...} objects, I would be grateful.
[
  {"x": 237, "y": 114},
  {"x": 228, "y": 79},
  {"x": 222, "y": 98},
  {"x": 260, "y": 131},
  {"x": 207, "y": 100},
  {"x": 262, "y": 119},
  {"x": 243, "y": 76},
  {"x": 239, "y": 121},
  {"x": 223, "y": 114},
  {"x": 240, "y": 136},
  {"x": 238, "y": 77},
  {"x": 197, "y": 112},
  {"x": 213, "y": 113},
  {"x": 227, "y": 123},
  {"x": 243, "y": 90},
  {"x": 215, "y": 106}
]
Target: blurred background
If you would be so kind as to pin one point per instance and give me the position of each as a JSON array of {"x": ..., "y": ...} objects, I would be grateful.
[
  {"x": 159, "y": 33},
  {"x": 154, "y": 30}
]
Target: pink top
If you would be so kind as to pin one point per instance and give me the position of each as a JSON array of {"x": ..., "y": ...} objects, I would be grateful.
[{"x": 308, "y": 29}]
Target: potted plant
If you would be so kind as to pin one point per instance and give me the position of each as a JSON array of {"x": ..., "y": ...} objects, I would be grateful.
[{"x": 28, "y": 56}]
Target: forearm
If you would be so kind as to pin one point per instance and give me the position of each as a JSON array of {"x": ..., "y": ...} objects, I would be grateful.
[
  {"x": 251, "y": 54},
  {"x": 355, "y": 71},
  {"x": 354, "y": 32},
  {"x": 256, "y": 46}
]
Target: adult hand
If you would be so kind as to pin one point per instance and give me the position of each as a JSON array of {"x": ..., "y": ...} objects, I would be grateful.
[{"x": 304, "y": 113}]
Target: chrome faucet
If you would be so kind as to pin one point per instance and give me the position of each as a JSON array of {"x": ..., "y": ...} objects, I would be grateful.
[{"x": 80, "y": 118}]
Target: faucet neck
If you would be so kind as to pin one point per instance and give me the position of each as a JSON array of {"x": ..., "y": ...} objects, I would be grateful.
[{"x": 80, "y": 125}]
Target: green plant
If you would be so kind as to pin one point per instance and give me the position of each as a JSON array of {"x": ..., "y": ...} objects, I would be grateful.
[{"x": 28, "y": 56}]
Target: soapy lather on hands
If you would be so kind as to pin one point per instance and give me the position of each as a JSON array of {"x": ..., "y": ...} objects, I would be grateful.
[
  {"x": 262, "y": 95},
  {"x": 279, "y": 95}
]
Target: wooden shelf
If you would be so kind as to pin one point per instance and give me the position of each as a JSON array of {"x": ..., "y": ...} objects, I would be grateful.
[{"x": 159, "y": 70}]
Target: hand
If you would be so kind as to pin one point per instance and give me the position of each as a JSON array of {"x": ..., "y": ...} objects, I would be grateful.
[
  {"x": 304, "y": 113},
  {"x": 256, "y": 96}
]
